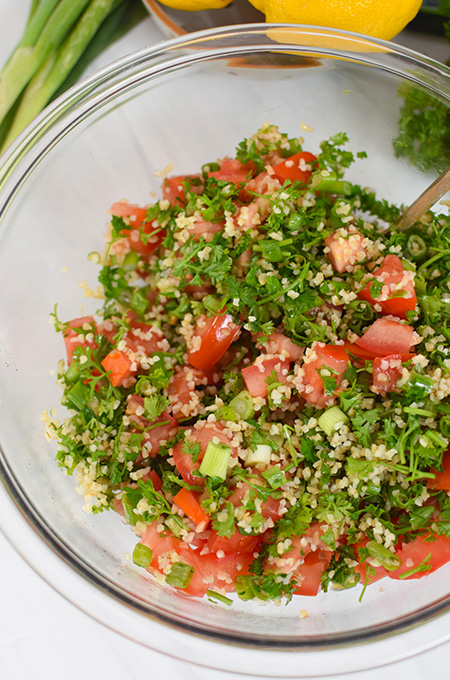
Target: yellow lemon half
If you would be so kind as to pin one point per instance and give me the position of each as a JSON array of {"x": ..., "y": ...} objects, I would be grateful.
[
  {"x": 378, "y": 18},
  {"x": 195, "y": 5}
]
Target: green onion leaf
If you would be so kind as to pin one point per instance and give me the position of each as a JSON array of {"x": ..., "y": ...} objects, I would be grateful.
[
  {"x": 384, "y": 556},
  {"x": 212, "y": 595},
  {"x": 142, "y": 555},
  {"x": 180, "y": 575}
]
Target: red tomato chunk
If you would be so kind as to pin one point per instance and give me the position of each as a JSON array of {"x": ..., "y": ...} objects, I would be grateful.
[{"x": 397, "y": 294}]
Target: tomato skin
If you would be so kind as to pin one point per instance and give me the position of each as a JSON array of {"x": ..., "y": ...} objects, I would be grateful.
[
  {"x": 334, "y": 357},
  {"x": 136, "y": 216},
  {"x": 73, "y": 339},
  {"x": 189, "y": 502},
  {"x": 441, "y": 481},
  {"x": 391, "y": 273},
  {"x": 385, "y": 337},
  {"x": 256, "y": 374},
  {"x": 345, "y": 248},
  {"x": 216, "y": 333},
  {"x": 412, "y": 555},
  {"x": 291, "y": 168},
  {"x": 387, "y": 371}
]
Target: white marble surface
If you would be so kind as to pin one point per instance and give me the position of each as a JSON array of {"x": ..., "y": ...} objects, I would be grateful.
[{"x": 42, "y": 636}]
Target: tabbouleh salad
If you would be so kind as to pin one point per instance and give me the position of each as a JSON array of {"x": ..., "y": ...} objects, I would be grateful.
[{"x": 264, "y": 396}]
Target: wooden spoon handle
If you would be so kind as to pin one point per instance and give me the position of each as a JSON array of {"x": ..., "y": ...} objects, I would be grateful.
[{"x": 428, "y": 198}]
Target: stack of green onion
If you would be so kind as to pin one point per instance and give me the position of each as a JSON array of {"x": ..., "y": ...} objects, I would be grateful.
[{"x": 60, "y": 39}]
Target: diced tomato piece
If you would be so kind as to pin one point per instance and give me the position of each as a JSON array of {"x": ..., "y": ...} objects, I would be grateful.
[
  {"x": 118, "y": 365},
  {"x": 136, "y": 218},
  {"x": 183, "y": 394},
  {"x": 398, "y": 295},
  {"x": 184, "y": 462},
  {"x": 297, "y": 168},
  {"x": 203, "y": 229},
  {"x": 256, "y": 375},
  {"x": 319, "y": 358},
  {"x": 441, "y": 481},
  {"x": 144, "y": 337},
  {"x": 345, "y": 248},
  {"x": 387, "y": 371},
  {"x": 155, "y": 478},
  {"x": 262, "y": 184},
  {"x": 309, "y": 574},
  {"x": 73, "y": 338},
  {"x": 159, "y": 544},
  {"x": 172, "y": 190},
  {"x": 232, "y": 170},
  {"x": 271, "y": 509},
  {"x": 189, "y": 502},
  {"x": 277, "y": 343},
  {"x": 368, "y": 573},
  {"x": 292, "y": 559},
  {"x": 356, "y": 352},
  {"x": 385, "y": 337},
  {"x": 237, "y": 543},
  {"x": 212, "y": 572},
  {"x": 431, "y": 554},
  {"x": 154, "y": 434},
  {"x": 216, "y": 334}
]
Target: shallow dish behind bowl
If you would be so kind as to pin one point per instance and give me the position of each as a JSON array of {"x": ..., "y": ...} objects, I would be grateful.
[{"x": 186, "y": 102}]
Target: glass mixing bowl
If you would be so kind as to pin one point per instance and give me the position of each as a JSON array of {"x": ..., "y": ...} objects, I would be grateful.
[{"x": 186, "y": 102}]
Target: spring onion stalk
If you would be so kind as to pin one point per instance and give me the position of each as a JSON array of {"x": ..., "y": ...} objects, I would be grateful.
[
  {"x": 180, "y": 575},
  {"x": 331, "y": 418},
  {"x": 385, "y": 557},
  {"x": 275, "y": 477},
  {"x": 55, "y": 69},
  {"x": 215, "y": 460},
  {"x": 418, "y": 411},
  {"x": 59, "y": 41},
  {"x": 261, "y": 454},
  {"x": 142, "y": 555},
  {"x": 26, "y": 61}
]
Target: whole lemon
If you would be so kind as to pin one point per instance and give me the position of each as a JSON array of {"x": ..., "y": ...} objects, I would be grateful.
[{"x": 378, "y": 18}]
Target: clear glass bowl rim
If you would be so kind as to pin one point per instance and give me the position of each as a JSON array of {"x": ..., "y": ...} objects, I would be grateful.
[{"x": 75, "y": 105}]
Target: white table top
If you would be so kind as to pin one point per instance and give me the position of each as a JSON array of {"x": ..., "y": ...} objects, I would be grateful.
[{"x": 42, "y": 636}]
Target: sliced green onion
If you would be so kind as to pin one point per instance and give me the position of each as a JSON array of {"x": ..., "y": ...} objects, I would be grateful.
[
  {"x": 384, "y": 556},
  {"x": 78, "y": 395},
  {"x": 248, "y": 587},
  {"x": 361, "y": 309},
  {"x": 331, "y": 185},
  {"x": 331, "y": 418},
  {"x": 215, "y": 460},
  {"x": 72, "y": 372},
  {"x": 139, "y": 302},
  {"x": 423, "y": 566},
  {"x": 142, "y": 555},
  {"x": 217, "y": 596},
  {"x": 210, "y": 167},
  {"x": 130, "y": 261},
  {"x": 180, "y": 575},
  {"x": 212, "y": 304},
  {"x": 128, "y": 509},
  {"x": 422, "y": 384},
  {"x": 243, "y": 405},
  {"x": 261, "y": 454},
  {"x": 416, "y": 247},
  {"x": 418, "y": 411},
  {"x": 275, "y": 477}
]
